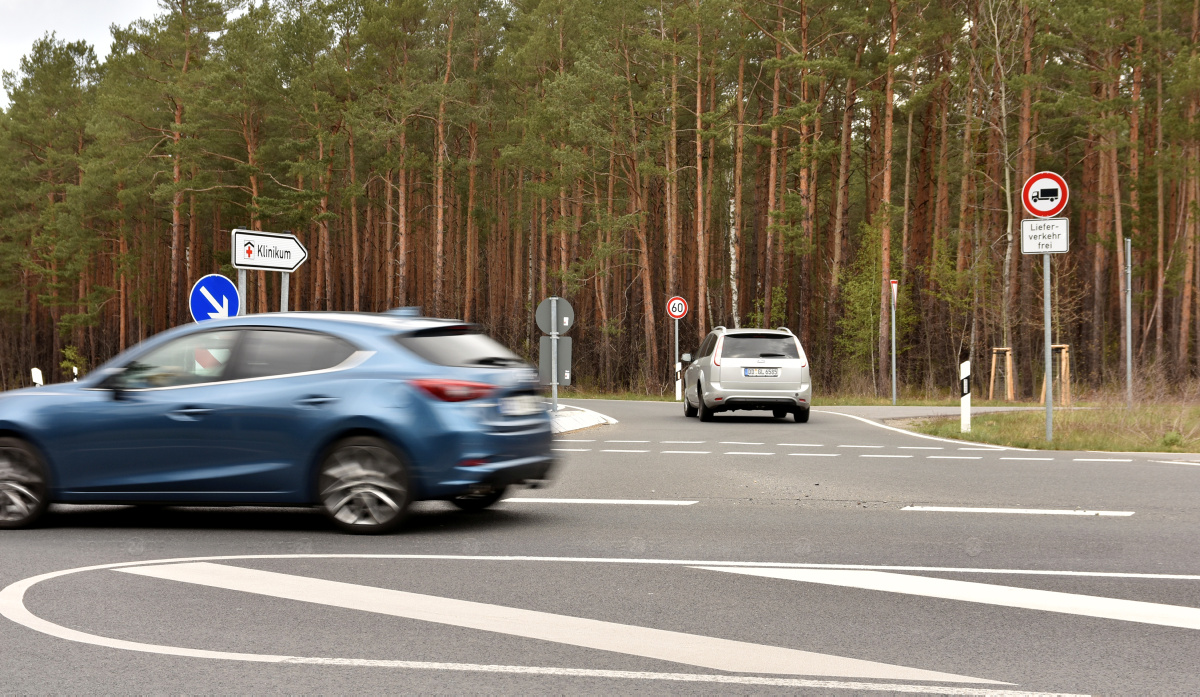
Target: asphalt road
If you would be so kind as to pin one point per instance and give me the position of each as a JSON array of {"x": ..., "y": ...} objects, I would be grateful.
[{"x": 744, "y": 555}]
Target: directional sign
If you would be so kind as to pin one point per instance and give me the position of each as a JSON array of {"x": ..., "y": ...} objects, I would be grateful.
[
  {"x": 1045, "y": 236},
  {"x": 677, "y": 308},
  {"x": 1045, "y": 194},
  {"x": 267, "y": 251},
  {"x": 561, "y": 323},
  {"x": 214, "y": 297}
]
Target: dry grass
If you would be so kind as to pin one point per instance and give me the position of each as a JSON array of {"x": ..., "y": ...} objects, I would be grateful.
[{"x": 1171, "y": 428}]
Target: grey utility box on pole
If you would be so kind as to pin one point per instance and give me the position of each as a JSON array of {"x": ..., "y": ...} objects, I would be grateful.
[{"x": 555, "y": 316}]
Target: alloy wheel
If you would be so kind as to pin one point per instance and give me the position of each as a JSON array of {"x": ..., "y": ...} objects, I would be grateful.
[
  {"x": 23, "y": 496},
  {"x": 363, "y": 486}
]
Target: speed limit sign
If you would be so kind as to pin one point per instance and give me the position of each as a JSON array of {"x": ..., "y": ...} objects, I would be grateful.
[{"x": 677, "y": 307}]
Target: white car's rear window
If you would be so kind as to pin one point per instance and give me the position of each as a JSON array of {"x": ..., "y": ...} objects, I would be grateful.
[{"x": 759, "y": 346}]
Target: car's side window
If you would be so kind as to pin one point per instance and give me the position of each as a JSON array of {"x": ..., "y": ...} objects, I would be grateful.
[
  {"x": 269, "y": 352},
  {"x": 190, "y": 360},
  {"x": 706, "y": 348}
]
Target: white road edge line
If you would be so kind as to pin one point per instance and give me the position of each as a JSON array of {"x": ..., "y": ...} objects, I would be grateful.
[
  {"x": 990, "y": 594},
  {"x": 695, "y": 650},
  {"x": 901, "y": 430},
  {"x": 1028, "y": 511},
  {"x": 615, "y": 502}
]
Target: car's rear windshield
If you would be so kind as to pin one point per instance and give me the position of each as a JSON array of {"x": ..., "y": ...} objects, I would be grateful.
[
  {"x": 458, "y": 345},
  {"x": 759, "y": 346}
]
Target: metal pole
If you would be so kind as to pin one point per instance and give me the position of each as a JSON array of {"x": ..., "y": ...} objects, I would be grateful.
[
  {"x": 893, "y": 323},
  {"x": 283, "y": 292},
  {"x": 1049, "y": 367},
  {"x": 1128, "y": 322},
  {"x": 678, "y": 396},
  {"x": 554, "y": 349},
  {"x": 241, "y": 292}
]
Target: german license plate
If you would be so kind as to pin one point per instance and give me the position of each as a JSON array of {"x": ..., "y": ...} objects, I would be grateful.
[
  {"x": 520, "y": 405},
  {"x": 761, "y": 372}
]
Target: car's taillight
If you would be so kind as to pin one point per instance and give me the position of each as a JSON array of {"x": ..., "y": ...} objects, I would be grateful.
[
  {"x": 454, "y": 390},
  {"x": 717, "y": 352}
]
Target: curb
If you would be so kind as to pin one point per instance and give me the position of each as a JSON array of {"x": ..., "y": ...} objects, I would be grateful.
[{"x": 569, "y": 418}]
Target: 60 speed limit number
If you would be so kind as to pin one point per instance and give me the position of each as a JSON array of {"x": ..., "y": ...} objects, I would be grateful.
[{"x": 677, "y": 308}]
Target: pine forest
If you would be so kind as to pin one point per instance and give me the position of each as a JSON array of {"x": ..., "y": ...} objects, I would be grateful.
[{"x": 774, "y": 162}]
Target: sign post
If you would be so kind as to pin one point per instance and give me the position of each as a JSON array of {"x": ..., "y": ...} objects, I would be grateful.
[
  {"x": 964, "y": 396},
  {"x": 1128, "y": 322},
  {"x": 1045, "y": 195},
  {"x": 895, "y": 289},
  {"x": 677, "y": 309},
  {"x": 555, "y": 316},
  {"x": 267, "y": 251}
]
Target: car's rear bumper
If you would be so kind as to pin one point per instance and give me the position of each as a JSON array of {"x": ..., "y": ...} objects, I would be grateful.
[
  {"x": 529, "y": 471},
  {"x": 720, "y": 398}
]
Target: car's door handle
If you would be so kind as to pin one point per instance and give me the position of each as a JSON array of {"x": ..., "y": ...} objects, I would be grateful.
[
  {"x": 314, "y": 401},
  {"x": 189, "y": 413}
]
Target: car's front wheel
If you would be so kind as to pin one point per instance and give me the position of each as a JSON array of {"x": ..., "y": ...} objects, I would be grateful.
[
  {"x": 688, "y": 410},
  {"x": 24, "y": 495},
  {"x": 363, "y": 485}
]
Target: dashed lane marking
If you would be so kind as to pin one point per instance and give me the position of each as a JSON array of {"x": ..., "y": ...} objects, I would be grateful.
[
  {"x": 891, "y": 456},
  {"x": 624, "y": 451},
  {"x": 742, "y": 452},
  {"x": 1176, "y": 462},
  {"x": 815, "y": 454},
  {"x": 1027, "y": 511},
  {"x": 800, "y": 445},
  {"x": 573, "y": 440},
  {"x": 626, "y": 441},
  {"x": 860, "y": 446},
  {"x": 738, "y": 442},
  {"x": 572, "y": 450},
  {"x": 687, "y": 452},
  {"x": 1101, "y": 459},
  {"x": 953, "y": 457},
  {"x": 921, "y": 447},
  {"x": 1029, "y": 459},
  {"x": 682, "y": 442}
]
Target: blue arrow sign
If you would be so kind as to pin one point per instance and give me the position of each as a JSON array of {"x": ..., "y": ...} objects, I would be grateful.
[{"x": 214, "y": 297}]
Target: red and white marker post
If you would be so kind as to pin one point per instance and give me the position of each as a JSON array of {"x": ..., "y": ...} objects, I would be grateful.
[{"x": 677, "y": 309}]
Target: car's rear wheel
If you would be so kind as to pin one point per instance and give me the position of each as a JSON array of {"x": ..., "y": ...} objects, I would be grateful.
[
  {"x": 478, "y": 502},
  {"x": 706, "y": 414},
  {"x": 688, "y": 410},
  {"x": 24, "y": 494},
  {"x": 363, "y": 485},
  {"x": 801, "y": 415}
]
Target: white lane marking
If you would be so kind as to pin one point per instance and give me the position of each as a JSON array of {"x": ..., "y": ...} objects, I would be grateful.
[
  {"x": 876, "y": 424},
  {"x": 741, "y": 452},
  {"x": 1029, "y": 459},
  {"x": 1101, "y": 459},
  {"x": 624, "y": 451},
  {"x": 1176, "y": 462},
  {"x": 683, "y": 442},
  {"x": 1028, "y": 511},
  {"x": 626, "y": 441},
  {"x": 953, "y": 457},
  {"x": 738, "y": 442},
  {"x": 678, "y": 647},
  {"x": 615, "y": 502},
  {"x": 574, "y": 440},
  {"x": 815, "y": 454},
  {"x": 990, "y": 594},
  {"x": 981, "y": 448},
  {"x": 800, "y": 445},
  {"x": 860, "y": 446},
  {"x": 572, "y": 450},
  {"x": 892, "y": 456},
  {"x": 921, "y": 447},
  {"x": 687, "y": 452}
]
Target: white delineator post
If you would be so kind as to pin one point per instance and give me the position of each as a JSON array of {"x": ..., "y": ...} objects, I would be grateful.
[{"x": 964, "y": 389}]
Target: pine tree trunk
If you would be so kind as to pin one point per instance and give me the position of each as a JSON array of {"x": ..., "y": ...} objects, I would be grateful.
[{"x": 885, "y": 201}]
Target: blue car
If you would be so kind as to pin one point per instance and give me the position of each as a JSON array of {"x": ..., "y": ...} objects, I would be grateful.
[{"x": 359, "y": 414}]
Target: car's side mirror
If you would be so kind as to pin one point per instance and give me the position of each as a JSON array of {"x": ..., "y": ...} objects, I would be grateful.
[
  {"x": 114, "y": 382},
  {"x": 686, "y": 358}
]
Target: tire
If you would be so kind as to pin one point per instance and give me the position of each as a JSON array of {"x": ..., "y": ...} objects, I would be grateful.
[
  {"x": 478, "y": 502},
  {"x": 706, "y": 414},
  {"x": 801, "y": 415},
  {"x": 779, "y": 413},
  {"x": 363, "y": 486},
  {"x": 24, "y": 492},
  {"x": 688, "y": 410}
]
